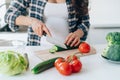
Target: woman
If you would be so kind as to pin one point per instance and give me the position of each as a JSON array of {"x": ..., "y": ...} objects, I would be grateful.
[{"x": 46, "y": 15}]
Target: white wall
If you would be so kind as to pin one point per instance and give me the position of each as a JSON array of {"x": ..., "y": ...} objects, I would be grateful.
[
  {"x": 98, "y": 36},
  {"x": 105, "y": 13}
]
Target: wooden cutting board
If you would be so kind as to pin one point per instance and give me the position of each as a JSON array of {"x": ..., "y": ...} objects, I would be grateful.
[{"x": 45, "y": 55}]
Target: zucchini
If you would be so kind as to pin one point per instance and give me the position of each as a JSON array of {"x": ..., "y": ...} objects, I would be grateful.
[
  {"x": 43, "y": 66},
  {"x": 56, "y": 48}
]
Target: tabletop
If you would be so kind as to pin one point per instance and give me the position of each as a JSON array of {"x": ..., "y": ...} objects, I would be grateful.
[{"x": 94, "y": 67}]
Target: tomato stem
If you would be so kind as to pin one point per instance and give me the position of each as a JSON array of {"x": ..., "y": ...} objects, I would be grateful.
[{"x": 78, "y": 56}]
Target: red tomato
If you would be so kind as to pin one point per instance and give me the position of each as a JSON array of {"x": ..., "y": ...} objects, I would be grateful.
[
  {"x": 84, "y": 47},
  {"x": 76, "y": 66},
  {"x": 65, "y": 68},
  {"x": 68, "y": 65},
  {"x": 58, "y": 61}
]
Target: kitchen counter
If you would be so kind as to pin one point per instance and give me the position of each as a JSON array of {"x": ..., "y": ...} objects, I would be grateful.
[{"x": 94, "y": 67}]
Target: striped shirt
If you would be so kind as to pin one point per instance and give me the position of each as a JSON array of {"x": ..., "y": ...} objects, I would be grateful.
[{"x": 36, "y": 10}]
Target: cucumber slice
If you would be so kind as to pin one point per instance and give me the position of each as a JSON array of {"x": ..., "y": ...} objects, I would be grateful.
[{"x": 53, "y": 49}]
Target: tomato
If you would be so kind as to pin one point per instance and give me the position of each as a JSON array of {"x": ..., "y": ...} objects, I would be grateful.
[
  {"x": 84, "y": 47},
  {"x": 75, "y": 63},
  {"x": 69, "y": 65},
  {"x": 65, "y": 68},
  {"x": 58, "y": 61},
  {"x": 76, "y": 66}
]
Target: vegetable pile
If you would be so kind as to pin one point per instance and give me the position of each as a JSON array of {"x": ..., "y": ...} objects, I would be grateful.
[
  {"x": 112, "y": 52},
  {"x": 65, "y": 66},
  {"x": 69, "y": 65},
  {"x": 12, "y": 63}
]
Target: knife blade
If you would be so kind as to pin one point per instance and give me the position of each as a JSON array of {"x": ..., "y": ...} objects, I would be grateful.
[{"x": 56, "y": 42}]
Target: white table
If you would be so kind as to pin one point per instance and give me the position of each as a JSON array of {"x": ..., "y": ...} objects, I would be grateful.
[{"x": 94, "y": 68}]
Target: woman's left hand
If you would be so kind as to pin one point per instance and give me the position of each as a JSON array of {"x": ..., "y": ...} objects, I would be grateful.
[{"x": 73, "y": 39}]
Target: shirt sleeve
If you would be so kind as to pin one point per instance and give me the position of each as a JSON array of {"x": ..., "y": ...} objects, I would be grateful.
[
  {"x": 84, "y": 25},
  {"x": 16, "y": 8}
]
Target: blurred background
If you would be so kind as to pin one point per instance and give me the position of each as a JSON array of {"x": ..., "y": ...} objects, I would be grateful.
[{"x": 104, "y": 18}]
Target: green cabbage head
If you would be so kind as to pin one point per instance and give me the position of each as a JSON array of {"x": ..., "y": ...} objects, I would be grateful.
[{"x": 12, "y": 63}]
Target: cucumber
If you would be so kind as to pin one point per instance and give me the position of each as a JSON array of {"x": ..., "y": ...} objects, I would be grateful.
[
  {"x": 43, "y": 66},
  {"x": 56, "y": 48}
]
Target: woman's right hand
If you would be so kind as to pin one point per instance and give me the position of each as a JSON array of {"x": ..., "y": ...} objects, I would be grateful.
[{"x": 39, "y": 27}]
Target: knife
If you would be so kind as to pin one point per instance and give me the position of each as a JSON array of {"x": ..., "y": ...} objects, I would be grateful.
[{"x": 56, "y": 42}]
